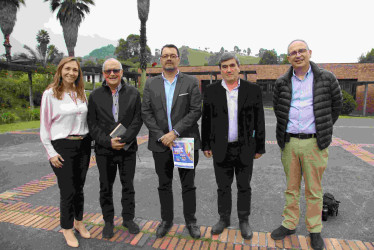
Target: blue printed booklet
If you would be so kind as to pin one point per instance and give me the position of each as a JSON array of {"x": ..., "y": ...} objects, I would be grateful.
[{"x": 183, "y": 153}]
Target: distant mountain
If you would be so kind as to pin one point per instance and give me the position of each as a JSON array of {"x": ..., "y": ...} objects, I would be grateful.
[
  {"x": 102, "y": 53},
  {"x": 85, "y": 44}
]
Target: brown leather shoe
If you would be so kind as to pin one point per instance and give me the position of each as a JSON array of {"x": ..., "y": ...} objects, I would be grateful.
[{"x": 70, "y": 238}]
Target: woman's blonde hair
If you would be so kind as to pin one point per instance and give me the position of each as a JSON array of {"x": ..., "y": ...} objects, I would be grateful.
[{"x": 57, "y": 86}]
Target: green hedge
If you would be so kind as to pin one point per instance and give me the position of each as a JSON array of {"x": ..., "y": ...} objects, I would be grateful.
[{"x": 19, "y": 114}]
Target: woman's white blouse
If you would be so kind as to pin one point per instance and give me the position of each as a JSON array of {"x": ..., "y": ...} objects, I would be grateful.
[{"x": 61, "y": 118}]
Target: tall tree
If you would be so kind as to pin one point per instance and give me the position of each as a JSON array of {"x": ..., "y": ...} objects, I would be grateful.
[
  {"x": 248, "y": 51},
  {"x": 282, "y": 59},
  {"x": 129, "y": 49},
  {"x": 269, "y": 57},
  {"x": 236, "y": 49},
  {"x": 157, "y": 56},
  {"x": 43, "y": 54},
  {"x": 43, "y": 39},
  {"x": 8, "y": 18},
  {"x": 143, "y": 11},
  {"x": 70, "y": 14},
  {"x": 184, "y": 56},
  {"x": 368, "y": 58},
  {"x": 261, "y": 52}
]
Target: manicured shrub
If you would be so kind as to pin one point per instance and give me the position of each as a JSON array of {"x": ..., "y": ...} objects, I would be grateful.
[{"x": 349, "y": 104}]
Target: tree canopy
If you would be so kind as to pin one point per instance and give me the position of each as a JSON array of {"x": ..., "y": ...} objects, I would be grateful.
[
  {"x": 368, "y": 58},
  {"x": 269, "y": 57},
  {"x": 129, "y": 49},
  {"x": 70, "y": 14},
  {"x": 8, "y": 18},
  {"x": 43, "y": 53}
]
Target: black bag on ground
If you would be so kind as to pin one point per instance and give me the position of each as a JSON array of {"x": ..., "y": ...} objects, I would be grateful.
[{"x": 330, "y": 206}]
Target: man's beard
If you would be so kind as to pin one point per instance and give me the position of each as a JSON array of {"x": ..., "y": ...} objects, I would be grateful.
[{"x": 169, "y": 68}]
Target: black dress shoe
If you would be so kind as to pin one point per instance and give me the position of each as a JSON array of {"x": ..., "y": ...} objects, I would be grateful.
[
  {"x": 281, "y": 232},
  {"x": 108, "y": 230},
  {"x": 163, "y": 229},
  {"x": 131, "y": 226},
  {"x": 194, "y": 230},
  {"x": 316, "y": 241},
  {"x": 220, "y": 226},
  {"x": 246, "y": 230}
]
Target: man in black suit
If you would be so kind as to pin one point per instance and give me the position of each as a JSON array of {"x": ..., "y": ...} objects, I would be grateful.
[
  {"x": 233, "y": 132},
  {"x": 171, "y": 108},
  {"x": 113, "y": 103}
]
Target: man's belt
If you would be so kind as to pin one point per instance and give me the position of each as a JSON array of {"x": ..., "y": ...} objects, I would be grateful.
[
  {"x": 303, "y": 136},
  {"x": 233, "y": 144},
  {"x": 76, "y": 137}
]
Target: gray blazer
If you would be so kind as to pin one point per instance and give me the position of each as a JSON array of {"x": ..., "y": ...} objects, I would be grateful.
[{"x": 185, "y": 111}]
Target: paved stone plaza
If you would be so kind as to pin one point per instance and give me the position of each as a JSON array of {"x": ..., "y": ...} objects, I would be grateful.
[{"x": 29, "y": 197}]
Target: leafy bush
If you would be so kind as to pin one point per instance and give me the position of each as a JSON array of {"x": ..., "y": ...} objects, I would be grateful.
[
  {"x": 14, "y": 89},
  {"x": 28, "y": 114},
  {"x": 349, "y": 104},
  {"x": 19, "y": 114},
  {"x": 8, "y": 117}
]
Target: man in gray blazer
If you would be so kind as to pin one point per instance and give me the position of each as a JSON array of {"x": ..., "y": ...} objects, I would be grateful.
[{"x": 171, "y": 108}]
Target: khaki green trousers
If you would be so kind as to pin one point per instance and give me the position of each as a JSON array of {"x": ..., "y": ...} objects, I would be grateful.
[{"x": 303, "y": 158}]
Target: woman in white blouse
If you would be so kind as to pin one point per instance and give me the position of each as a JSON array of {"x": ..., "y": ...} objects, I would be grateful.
[{"x": 64, "y": 134}]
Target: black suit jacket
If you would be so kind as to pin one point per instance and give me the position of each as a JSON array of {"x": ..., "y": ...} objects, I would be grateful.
[
  {"x": 101, "y": 121},
  {"x": 250, "y": 118},
  {"x": 185, "y": 111}
]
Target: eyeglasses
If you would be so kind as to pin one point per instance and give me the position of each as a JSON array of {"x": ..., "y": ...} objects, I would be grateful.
[
  {"x": 166, "y": 56},
  {"x": 109, "y": 71},
  {"x": 300, "y": 51}
]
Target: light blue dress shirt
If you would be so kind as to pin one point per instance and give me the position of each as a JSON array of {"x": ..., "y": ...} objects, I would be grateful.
[
  {"x": 169, "y": 93},
  {"x": 232, "y": 106},
  {"x": 301, "y": 116}
]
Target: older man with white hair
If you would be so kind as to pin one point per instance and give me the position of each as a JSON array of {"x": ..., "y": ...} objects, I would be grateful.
[{"x": 114, "y": 103}]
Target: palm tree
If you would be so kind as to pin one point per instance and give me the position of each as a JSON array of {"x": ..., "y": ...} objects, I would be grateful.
[
  {"x": 43, "y": 54},
  {"x": 70, "y": 14},
  {"x": 8, "y": 18},
  {"x": 36, "y": 56},
  {"x": 43, "y": 39},
  {"x": 143, "y": 10}
]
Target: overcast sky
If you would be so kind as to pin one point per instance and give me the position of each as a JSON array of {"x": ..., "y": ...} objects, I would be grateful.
[{"x": 336, "y": 30}]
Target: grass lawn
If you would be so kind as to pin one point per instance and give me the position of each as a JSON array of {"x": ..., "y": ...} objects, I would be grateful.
[{"x": 19, "y": 126}]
